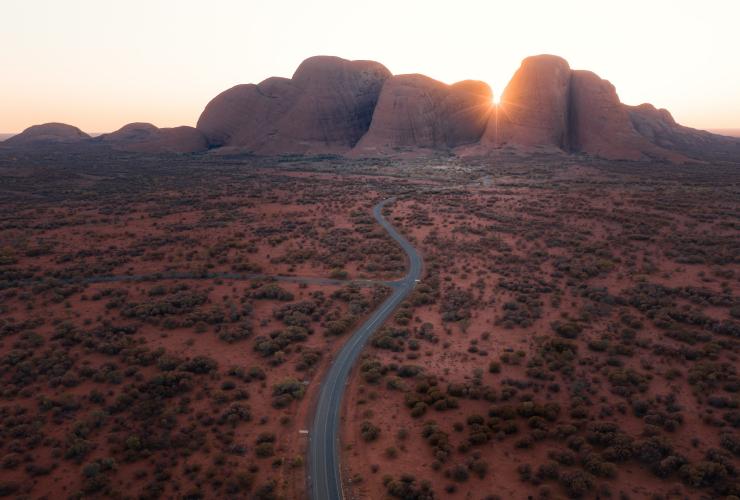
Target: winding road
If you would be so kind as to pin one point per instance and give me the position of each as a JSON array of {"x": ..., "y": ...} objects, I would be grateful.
[{"x": 324, "y": 464}]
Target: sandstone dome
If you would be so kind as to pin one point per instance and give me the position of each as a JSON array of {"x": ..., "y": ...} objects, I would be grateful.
[
  {"x": 533, "y": 110},
  {"x": 47, "y": 133},
  {"x": 146, "y": 138},
  {"x": 326, "y": 107},
  {"x": 418, "y": 111},
  {"x": 546, "y": 105},
  {"x": 601, "y": 125}
]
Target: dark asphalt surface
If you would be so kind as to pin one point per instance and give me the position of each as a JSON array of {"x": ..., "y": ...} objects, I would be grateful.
[{"x": 324, "y": 451}]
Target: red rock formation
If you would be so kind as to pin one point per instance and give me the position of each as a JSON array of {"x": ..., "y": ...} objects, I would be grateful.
[
  {"x": 326, "y": 107},
  {"x": 547, "y": 105},
  {"x": 417, "y": 111},
  {"x": 328, "y": 104},
  {"x": 333, "y": 105},
  {"x": 659, "y": 127},
  {"x": 48, "y": 133},
  {"x": 247, "y": 115},
  {"x": 533, "y": 111},
  {"x": 600, "y": 124},
  {"x": 146, "y": 138}
]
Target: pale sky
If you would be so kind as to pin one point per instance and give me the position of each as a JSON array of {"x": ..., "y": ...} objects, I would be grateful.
[{"x": 99, "y": 64}]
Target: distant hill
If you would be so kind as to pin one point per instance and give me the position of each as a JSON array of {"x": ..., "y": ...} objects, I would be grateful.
[
  {"x": 6, "y": 136},
  {"x": 134, "y": 137},
  {"x": 146, "y": 138},
  {"x": 47, "y": 134},
  {"x": 731, "y": 132}
]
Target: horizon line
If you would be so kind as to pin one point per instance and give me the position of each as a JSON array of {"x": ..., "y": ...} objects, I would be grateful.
[{"x": 735, "y": 131}]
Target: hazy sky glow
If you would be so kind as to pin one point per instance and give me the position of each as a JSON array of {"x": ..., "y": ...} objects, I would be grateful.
[{"x": 100, "y": 65}]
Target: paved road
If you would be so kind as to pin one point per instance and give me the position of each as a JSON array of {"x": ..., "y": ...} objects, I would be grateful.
[{"x": 324, "y": 465}]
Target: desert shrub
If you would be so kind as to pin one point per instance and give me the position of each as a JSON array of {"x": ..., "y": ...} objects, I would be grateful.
[
  {"x": 525, "y": 472},
  {"x": 308, "y": 359},
  {"x": 703, "y": 474},
  {"x": 563, "y": 457},
  {"x": 287, "y": 391},
  {"x": 456, "y": 304},
  {"x": 279, "y": 341},
  {"x": 392, "y": 339},
  {"x": 264, "y": 450},
  {"x": 403, "y": 316},
  {"x": 576, "y": 483},
  {"x": 168, "y": 362},
  {"x": 428, "y": 394},
  {"x": 599, "y": 345},
  {"x": 179, "y": 303},
  {"x": 731, "y": 442},
  {"x": 512, "y": 358},
  {"x": 407, "y": 371},
  {"x": 426, "y": 292},
  {"x": 652, "y": 450},
  {"x": 265, "y": 445},
  {"x": 231, "y": 335},
  {"x": 598, "y": 467},
  {"x": 368, "y": 431},
  {"x": 396, "y": 384},
  {"x": 242, "y": 481},
  {"x": 339, "y": 326},
  {"x": 298, "y": 313},
  {"x": 338, "y": 274},
  {"x": 266, "y": 437},
  {"x": 252, "y": 373},
  {"x": 708, "y": 375},
  {"x": 77, "y": 448},
  {"x": 438, "y": 440},
  {"x": 419, "y": 409},
  {"x": 522, "y": 312},
  {"x": 626, "y": 382},
  {"x": 266, "y": 491},
  {"x": 478, "y": 467},
  {"x": 199, "y": 365},
  {"x": 8, "y": 488},
  {"x": 235, "y": 414},
  {"x": 548, "y": 471},
  {"x": 407, "y": 488},
  {"x": 567, "y": 329},
  {"x": 548, "y": 411},
  {"x": 372, "y": 371},
  {"x": 95, "y": 475},
  {"x": 272, "y": 291},
  {"x": 459, "y": 473}
]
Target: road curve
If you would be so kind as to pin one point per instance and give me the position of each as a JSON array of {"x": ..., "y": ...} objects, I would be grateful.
[{"x": 323, "y": 457}]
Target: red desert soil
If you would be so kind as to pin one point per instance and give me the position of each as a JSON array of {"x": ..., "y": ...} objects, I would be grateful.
[
  {"x": 556, "y": 324},
  {"x": 575, "y": 332},
  {"x": 218, "y": 392},
  {"x": 175, "y": 387}
]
